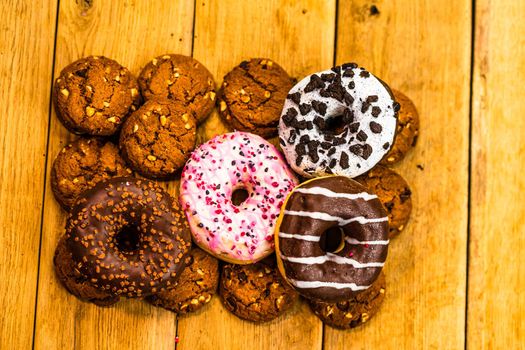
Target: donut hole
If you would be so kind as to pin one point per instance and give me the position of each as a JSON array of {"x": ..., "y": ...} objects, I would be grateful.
[
  {"x": 335, "y": 124},
  {"x": 332, "y": 240},
  {"x": 127, "y": 239},
  {"x": 239, "y": 195}
]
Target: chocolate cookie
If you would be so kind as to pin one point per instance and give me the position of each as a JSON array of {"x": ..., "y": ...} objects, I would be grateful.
[
  {"x": 407, "y": 129},
  {"x": 255, "y": 292},
  {"x": 180, "y": 78},
  {"x": 252, "y": 96},
  {"x": 395, "y": 194},
  {"x": 353, "y": 312},
  {"x": 158, "y": 138},
  {"x": 81, "y": 165},
  {"x": 94, "y": 95},
  {"x": 195, "y": 286},
  {"x": 73, "y": 281}
]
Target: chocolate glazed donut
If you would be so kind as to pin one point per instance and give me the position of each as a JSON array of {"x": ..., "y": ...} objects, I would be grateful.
[
  {"x": 128, "y": 237},
  {"x": 331, "y": 238}
]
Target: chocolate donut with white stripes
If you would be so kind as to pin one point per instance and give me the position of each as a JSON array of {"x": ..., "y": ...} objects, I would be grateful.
[
  {"x": 331, "y": 238},
  {"x": 340, "y": 121}
]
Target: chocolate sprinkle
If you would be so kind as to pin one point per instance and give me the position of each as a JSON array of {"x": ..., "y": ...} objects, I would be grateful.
[
  {"x": 372, "y": 98},
  {"x": 386, "y": 145},
  {"x": 293, "y": 135},
  {"x": 328, "y": 77},
  {"x": 315, "y": 83},
  {"x": 376, "y": 111},
  {"x": 364, "y": 74},
  {"x": 367, "y": 151},
  {"x": 362, "y": 136},
  {"x": 354, "y": 127},
  {"x": 397, "y": 106},
  {"x": 295, "y": 97},
  {"x": 343, "y": 161},
  {"x": 375, "y": 127},
  {"x": 319, "y": 107},
  {"x": 304, "y": 108}
]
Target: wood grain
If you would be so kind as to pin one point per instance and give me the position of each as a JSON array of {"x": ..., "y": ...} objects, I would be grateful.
[
  {"x": 26, "y": 55},
  {"x": 423, "y": 49},
  {"x": 299, "y": 37},
  {"x": 227, "y": 32},
  {"x": 496, "y": 309},
  {"x": 132, "y": 32}
]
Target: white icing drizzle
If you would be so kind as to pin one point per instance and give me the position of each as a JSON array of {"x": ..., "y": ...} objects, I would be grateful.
[
  {"x": 319, "y": 284},
  {"x": 311, "y": 260},
  {"x": 311, "y": 238},
  {"x": 351, "y": 240},
  {"x": 308, "y": 238},
  {"x": 327, "y": 193},
  {"x": 327, "y": 217}
]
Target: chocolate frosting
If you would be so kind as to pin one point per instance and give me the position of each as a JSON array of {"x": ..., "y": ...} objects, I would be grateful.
[
  {"x": 317, "y": 206},
  {"x": 137, "y": 207}
]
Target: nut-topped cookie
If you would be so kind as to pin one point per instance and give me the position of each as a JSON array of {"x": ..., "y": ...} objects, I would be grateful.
[
  {"x": 74, "y": 282},
  {"x": 81, "y": 165},
  {"x": 255, "y": 292},
  {"x": 195, "y": 287},
  {"x": 407, "y": 129},
  {"x": 393, "y": 192},
  {"x": 354, "y": 312},
  {"x": 252, "y": 96},
  {"x": 94, "y": 95},
  {"x": 158, "y": 138},
  {"x": 180, "y": 78}
]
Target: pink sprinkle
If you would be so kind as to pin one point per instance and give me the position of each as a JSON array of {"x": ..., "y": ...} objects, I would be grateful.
[
  {"x": 351, "y": 254},
  {"x": 275, "y": 184},
  {"x": 366, "y": 245},
  {"x": 177, "y": 340}
]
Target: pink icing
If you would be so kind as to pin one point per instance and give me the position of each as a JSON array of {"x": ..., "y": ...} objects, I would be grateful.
[{"x": 217, "y": 168}]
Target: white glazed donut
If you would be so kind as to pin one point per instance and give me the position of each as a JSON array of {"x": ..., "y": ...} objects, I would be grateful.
[
  {"x": 240, "y": 233},
  {"x": 340, "y": 121}
]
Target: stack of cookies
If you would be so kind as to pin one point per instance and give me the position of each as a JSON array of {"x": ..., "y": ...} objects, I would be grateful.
[{"x": 237, "y": 192}]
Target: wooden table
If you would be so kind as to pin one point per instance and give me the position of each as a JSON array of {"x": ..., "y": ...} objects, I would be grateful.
[{"x": 455, "y": 276}]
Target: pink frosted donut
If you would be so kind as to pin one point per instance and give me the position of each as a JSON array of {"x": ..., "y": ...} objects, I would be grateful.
[{"x": 241, "y": 233}]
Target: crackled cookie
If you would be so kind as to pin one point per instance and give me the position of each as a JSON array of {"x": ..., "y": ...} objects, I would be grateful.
[
  {"x": 255, "y": 292},
  {"x": 252, "y": 96},
  {"x": 81, "y": 165},
  {"x": 407, "y": 129},
  {"x": 180, "y": 78},
  {"x": 354, "y": 312},
  {"x": 195, "y": 286},
  {"x": 74, "y": 282},
  {"x": 393, "y": 192},
  {"x": 94, "y": 95},
  {"x": 340, "y": 121},
  {"x": 158, "y": 138}
]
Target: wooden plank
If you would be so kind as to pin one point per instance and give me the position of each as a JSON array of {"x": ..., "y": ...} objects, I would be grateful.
[
  {"x": 132, "y": 32},
  {"x": 423, "y": 49},
  {"x": 300, "y": 37},
  {"x": 496, "y": 309},
  {"x": 26, "y": 55}
]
